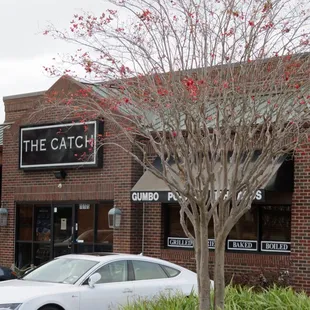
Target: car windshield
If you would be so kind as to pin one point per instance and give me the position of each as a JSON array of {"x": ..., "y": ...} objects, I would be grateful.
[{"x": 61, "y": 270}]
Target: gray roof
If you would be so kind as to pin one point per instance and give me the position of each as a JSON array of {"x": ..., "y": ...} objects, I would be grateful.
[{"x": 168, "y": 120}]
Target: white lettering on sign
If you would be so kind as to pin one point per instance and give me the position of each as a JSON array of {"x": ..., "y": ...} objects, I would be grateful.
[
  {"x": 62, "y": 143},
  {"x": 145, "y": 196},
  {"x": 171, "y": 197},
  {"x": 166, "y": 196},
  {"x": 274, "y": 246},
  {"x": 78, "y": 145},
  {"x": 54, "y": 146},
  {"x": 70, "y": 141},
  {"x": 242, "y": 245},
  {"x": 26, "y": 144},
  {"x": 34, "y": 145},
  {"x": 211, "y": 244},
  {"x": 258, "y": 195},
  {"x": 58, "y": 143},
  {"x": 42, "y": 145}
]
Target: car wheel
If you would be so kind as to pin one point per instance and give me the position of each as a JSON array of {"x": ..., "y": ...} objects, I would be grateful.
[{"x": 50, "y": 308}]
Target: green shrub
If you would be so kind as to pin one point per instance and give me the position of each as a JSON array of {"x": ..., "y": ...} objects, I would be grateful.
[
  {"x": 163, "y": 302},
  {"x": 236, "y": 298}
]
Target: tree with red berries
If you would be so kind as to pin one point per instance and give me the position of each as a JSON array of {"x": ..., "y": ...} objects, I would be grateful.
[{"x": 219, "y": 88}]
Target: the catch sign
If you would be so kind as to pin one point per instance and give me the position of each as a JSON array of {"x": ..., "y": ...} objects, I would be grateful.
[{"x": 59, "y": 145}]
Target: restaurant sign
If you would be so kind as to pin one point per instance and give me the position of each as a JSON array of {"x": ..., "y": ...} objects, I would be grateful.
[
  {"x": 173, "y": 242},
  {"x": 242, "y": 245},
  {"x": 167, "y": 196},
  {"x": 275, "y": 246},
  {"x": 59, "y": 145}
]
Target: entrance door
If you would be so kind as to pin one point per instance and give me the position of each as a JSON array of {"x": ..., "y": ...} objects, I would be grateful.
[{"x": 64, "y": 232}]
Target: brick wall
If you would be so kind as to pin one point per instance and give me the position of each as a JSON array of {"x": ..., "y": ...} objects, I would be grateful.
[
  {"x": 242, "y": 267},
  {"x": 112, "y": 182},
  {"x": 300, "y": 254}
]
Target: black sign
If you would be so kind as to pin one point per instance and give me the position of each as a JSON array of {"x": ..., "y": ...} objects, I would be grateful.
[
  {"x": 59, "y": 145},
  {"x": 166, "y": 196},
  {"x": 149, "y": 196},
  {"x": 186, "y": 243},
  {"x": 242, "y": 245},
  {"x": 276, "y": 246}
]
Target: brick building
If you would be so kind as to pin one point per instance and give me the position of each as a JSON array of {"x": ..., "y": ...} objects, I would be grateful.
[{"x": 57, "y": 205}]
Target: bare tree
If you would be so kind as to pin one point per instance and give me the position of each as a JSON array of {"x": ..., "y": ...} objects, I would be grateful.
[{"x": 217, "y": 87}]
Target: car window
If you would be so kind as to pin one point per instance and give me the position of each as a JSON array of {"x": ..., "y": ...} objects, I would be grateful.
[
  {"x": 61, "y": 270},
  {"x": 113, "y": 272},
  {"x": 146, "y": 270},
  {"x": 171, "y": 271}
]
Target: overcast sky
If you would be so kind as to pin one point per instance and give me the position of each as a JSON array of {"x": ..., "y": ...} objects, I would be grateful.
[{"x": 24, "y": 50}]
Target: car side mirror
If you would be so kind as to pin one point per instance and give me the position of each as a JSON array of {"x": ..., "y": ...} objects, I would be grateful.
[{"x": 93, "y": 279}]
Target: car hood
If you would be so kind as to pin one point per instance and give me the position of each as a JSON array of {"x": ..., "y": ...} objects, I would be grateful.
[{"x": 19, "y": 291}]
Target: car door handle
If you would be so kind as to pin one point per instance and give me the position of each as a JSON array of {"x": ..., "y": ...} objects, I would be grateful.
[
  {"x": 168, "y": 288},
  {"x": 127, "y": 290}
]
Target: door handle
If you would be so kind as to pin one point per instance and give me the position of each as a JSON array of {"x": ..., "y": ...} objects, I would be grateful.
[
  {"x": 127, "y": 290},
  {"x": 168, "y": 288}
]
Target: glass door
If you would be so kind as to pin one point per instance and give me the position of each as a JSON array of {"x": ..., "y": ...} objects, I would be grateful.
[{"x": 64, "y": 230}]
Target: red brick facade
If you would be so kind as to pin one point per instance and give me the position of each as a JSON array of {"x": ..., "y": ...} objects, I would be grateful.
[{"x": 114, "y": 182}]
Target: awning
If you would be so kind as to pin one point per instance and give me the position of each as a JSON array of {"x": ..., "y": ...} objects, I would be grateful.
[{"x": 150, "y": 188}]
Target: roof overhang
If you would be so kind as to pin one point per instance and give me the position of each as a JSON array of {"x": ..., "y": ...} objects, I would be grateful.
[{"x": 151, "y": 188}]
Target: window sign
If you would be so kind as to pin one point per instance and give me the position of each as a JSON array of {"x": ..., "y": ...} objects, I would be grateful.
[
  {"x": 59, "y": 145},
  {"x": 263, "y": 228},
  {"x": 84, "y": 206},
  {"x": 169, "y": 197},
  {"x": 276, "y": 246},
  {"x": 186, "y": 243},
  {"x": 242, "y": 245}
]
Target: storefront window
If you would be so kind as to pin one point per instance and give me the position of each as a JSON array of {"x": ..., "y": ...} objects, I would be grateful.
[
  {"x": 104, "y": 233},
  {"x": 175, "y": 235},
  {"x": 246, "y": 228},
  {"x": 244, "y": 235},
  {"x": 276, "y": 228},
  {"x": 23, "y": 255},
  {"x": 24, "y": 223},
  {"x": 85, "y": 217},
  {"x": 175, "y": 228},
  {"x": 261, "y": 229},
  {"x": 42, "y": 253},
  {"x": 42, "y": 223},
  {"x": 51, "y": 230},
  {"x": 276, "y": 223}
]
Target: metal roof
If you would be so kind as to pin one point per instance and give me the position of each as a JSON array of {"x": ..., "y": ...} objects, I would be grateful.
[{"x": 1, "y": 135}]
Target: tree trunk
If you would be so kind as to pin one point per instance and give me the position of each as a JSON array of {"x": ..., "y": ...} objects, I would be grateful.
[
  {"x": 202, "y": 261},
  {"x": 219, "y": 275}
]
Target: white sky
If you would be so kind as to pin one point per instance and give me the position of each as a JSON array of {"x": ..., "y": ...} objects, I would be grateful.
[{"x": 24, "y": 50}]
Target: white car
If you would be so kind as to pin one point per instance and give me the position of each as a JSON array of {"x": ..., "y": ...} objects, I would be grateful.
[{"x": 93, "y": 282}]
